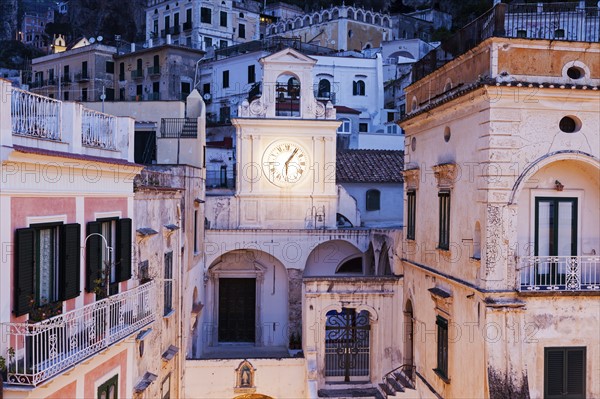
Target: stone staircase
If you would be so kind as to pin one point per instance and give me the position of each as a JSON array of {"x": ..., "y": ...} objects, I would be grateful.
[
  {"x": 398, "y": 383},
  {"x": 346, "y": 393}
]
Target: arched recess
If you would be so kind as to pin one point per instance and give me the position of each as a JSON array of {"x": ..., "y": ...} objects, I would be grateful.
[
  {"x": 539, "y": 163},
  {"x": 326, "y": 258},
  {"x": 287, "y": 94},
  {"x": 369, "y": 261},
  {"x": 249, "y": 299},
  {"x": 557, "y": 205},
  {"x": 384, "y": 267}
]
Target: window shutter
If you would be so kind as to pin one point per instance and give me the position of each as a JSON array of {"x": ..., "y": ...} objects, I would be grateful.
[
  {"x": 576, "y": 371},
  {"x": 93, "y": 256},
  {"x": 354, "y": 88},
  {"x": 124, "y": 249},
  {"x": 24, "y": 270},
  {"x": 554, "y": 372},
  {"x": 70, "y": 266}
]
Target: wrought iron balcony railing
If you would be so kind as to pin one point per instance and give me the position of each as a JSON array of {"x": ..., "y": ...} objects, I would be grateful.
[
  {"x": 98, "y": 129},
  {"x": 42, "y": 350},
  {"x": 137, "y": 74},
  {"x": 551, "y": 21},
  {"x": 35, "y": 116},
  {"x": 154, "y": 70},
  {"x": 559, "y": 273}
]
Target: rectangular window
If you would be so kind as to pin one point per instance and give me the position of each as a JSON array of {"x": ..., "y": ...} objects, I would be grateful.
[
  {"x": 108, "y": 267},
  {"x": 442, "y": 347},
  {"x": 390, "y": 116},
  {"x": 410, "y": 214},
  {"x": 188, "y": 16},
  {"x": 242, "y": 31},
  {"x": 122, "y": 71},
  {"x": 223, "y": 19},
  {"x": 109, "y": 389},
  {"x": 84, "y": 69},
  {"x": 444, "y": 222},
  {"x": 207, "y": 42},
  {"x": 66, "y": 74},
  {"x": 363, "y": 127},
  {"x": 564, "y": 372},
  {"x": 222, "y": 43},
  {"x": 84, "y": 94},
  {"x": 168, "y": 284},
  {"x": 224, "y": 115},
  {"x": 205, "y": 15},
  {"x": 195, "y": 231},
  {"x": 225, "y": 79},
  {"x": 66, "y": 95},
  {"x": 110, "y": 67},
  {"x": 155, "y": 28},
  {"x": 206, "y": 88},
  {"x": 251, "y": 74},
  {"x": 46, "y": 265}
]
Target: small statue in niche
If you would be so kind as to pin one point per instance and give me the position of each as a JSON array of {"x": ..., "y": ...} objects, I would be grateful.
[{"x": 245, "y": 380}]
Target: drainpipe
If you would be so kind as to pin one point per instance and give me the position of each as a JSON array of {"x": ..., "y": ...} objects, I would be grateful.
[{"x": 180, "y": 292}]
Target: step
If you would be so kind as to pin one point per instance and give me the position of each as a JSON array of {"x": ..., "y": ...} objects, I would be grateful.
[
  {"x": 364, "y": 393},
  {"x": 405, "y": 382},
  {"x": 387, "y": 389},
  {"x": 395, "y": 384}
]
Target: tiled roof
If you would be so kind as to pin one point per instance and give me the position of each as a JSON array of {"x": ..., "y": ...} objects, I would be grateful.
[
  {"x": 342, "y": 109},
  {"x": 369, "y": 166}
]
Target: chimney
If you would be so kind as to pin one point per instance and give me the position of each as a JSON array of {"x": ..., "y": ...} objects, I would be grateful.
[
  {"x": 169, "y": 39},
  {"x": 133, "y": 47}
]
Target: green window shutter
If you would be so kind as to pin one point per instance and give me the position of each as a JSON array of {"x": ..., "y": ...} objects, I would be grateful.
[
  {"x": 576, "y": 372},
  {"x": 24, "y": 270},
  {"x": 70, "y": 266},
  {"x": 93, "y": 256},
  {"x": 124, "y": 249}
]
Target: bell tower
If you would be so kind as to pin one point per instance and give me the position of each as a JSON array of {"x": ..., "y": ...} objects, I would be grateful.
[{"x": 286, "y": 150}]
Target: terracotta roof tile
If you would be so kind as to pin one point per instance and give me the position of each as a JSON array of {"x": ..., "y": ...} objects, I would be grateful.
[{"x": 369, "y": 166}]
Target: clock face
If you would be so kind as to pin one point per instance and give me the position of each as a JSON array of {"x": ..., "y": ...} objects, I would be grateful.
[{"x": 285, "y": 163}]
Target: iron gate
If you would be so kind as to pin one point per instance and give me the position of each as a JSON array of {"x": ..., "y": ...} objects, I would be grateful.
[{"x": 347, "y": 344}]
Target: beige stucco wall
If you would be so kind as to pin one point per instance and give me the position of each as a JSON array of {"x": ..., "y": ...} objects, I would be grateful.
[{"x": 277, "y": 378}]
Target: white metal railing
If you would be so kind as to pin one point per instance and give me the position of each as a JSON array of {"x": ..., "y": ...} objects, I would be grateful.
[
  {"x": 42, "y": 350},
  {"x": 559, "y": 273},
  {"x": 98, "y": 129},
  {"x": 35, "y": 116}
]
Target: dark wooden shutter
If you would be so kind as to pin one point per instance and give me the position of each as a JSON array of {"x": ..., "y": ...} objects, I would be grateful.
[
  {"x": 124, "y": 249},
  {"x": 555, "y": 367},
  {"x": 24, "y": 271},
  {"x": 70, "y": 265},
  {"x": 93, "y": 256},
  {"x": 576, "y": 372},
  {"x": 354, "y": 88}
]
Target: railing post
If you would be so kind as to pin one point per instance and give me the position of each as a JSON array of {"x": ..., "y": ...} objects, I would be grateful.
[
  {"x": 5, "y": 114},
  {"x": 71, "y": 126}
]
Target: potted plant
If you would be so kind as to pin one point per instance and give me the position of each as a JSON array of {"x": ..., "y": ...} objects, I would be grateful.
[{"x": 295, "y": 345}]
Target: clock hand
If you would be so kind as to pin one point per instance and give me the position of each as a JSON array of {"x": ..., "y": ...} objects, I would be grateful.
[{"x": 291, "y": 157}]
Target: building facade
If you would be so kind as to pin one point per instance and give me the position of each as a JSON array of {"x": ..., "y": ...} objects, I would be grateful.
[{"x": 500, "y": 257}]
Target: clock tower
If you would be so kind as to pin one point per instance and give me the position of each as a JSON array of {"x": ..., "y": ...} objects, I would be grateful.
[{"x": 286, "y": 150}]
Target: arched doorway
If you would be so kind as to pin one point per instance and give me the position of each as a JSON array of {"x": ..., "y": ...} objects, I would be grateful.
[
  {"x": 347, "y": 345},
  {"x": 408, "y": 334},
  {"x": 253, "y": 396}
]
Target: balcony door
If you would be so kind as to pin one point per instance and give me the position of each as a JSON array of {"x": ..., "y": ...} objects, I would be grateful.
[{"x": 555, "y": 238}]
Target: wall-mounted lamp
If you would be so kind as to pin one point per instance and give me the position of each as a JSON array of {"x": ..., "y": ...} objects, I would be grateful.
[
  {"x": 199, "y": 201},
  {"x": 558, "y": 186}
]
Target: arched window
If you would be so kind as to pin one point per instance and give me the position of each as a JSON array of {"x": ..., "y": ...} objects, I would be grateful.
[
  {"x": 324, "y": 89},
  {"x": 345, "y": 127},
  {"x": 373, "y": 200},
  {"x": 358, "y": 88},
  {"x": 288, "y": 96}
]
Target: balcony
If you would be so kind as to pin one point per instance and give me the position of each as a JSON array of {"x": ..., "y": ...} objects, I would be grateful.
[
  {"x": 98, "y": 129},
  {"x": 174, "y": 128},
  {"x": 550, "y": 21},
  {"x": 65, "y": 79},
  {"x": 187, "y": 26},
  {"x": 35, "y": 116},
  {"x": 153, "y": 96},
  {"x": 82, "y": 76},
  {"x": 154, "y": 70},
  {"x": 40, "y": 351},
  {"x": 559, "y": 273},
  {"x": 137, "y": 74}
]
